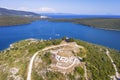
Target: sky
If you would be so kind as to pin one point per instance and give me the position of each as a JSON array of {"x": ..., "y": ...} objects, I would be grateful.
[{"x": 101, "y": 7}]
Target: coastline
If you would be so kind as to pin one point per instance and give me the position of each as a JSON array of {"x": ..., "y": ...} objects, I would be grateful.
[
  {"x": 99, "y": 23},
  {"x": 8, "y": 21},
  {"x": 100, "y": 28},
  {"x": 35, "y": 40},
  {"x": 29, "y": 39},
  {"x": 16, "y": 25},
  {"x": 27, "y": 23}
]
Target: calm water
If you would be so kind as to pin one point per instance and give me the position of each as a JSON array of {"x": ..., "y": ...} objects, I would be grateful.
[
  {"x": 82, "y": 16},
  {"x": 53, "y": 30}
]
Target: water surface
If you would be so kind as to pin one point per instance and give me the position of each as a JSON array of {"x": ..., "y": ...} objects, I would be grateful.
[{"x": 54, "y": 30}]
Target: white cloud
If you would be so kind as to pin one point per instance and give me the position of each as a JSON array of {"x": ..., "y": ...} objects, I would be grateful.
[
  {"x": 23, "y": 8},
  {"x": 41, "y": 9},
  {"x": 46, "y": 9}
]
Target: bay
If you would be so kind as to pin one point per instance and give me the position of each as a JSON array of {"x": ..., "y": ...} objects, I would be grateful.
[{"x": 54, "y": 30}]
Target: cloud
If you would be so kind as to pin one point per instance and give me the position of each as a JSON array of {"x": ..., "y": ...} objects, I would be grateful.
[
  {"x": 23, "y": 8},
  {"x": 41, "y": 9},
  {"x": 46, "y": 9}
]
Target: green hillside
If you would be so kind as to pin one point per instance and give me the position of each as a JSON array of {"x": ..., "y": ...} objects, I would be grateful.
[
  {"x": 15, "y": 20},
  {"x": 14, "y": 61},
  {"x": 102, "y": 23}
]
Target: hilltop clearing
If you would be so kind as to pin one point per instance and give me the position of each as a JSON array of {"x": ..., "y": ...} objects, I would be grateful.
[{"x": 58, "y": 60}]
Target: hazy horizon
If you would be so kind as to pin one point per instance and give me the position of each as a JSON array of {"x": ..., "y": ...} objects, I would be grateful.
[{"x": 86, "y": 7}]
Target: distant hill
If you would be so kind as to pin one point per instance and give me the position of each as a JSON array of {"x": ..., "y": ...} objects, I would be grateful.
[
  {"x": 14, "y": 17},
  {"x": 59, "y": 14},
  {"x": 102, "y": 23},
  {"x": 4, "y": 11}
]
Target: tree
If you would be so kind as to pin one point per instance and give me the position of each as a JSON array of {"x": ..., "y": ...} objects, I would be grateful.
[
  {"x": 70, "y": 40},
  {"x": 64, "y": 38}
]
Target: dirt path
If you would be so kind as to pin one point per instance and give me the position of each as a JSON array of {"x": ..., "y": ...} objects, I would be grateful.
[
  {"x": 85, "y": 74},
  {"x": 117, "y": 74},
  {"x": 33, "y": 57},
  {"x": 47, "y": 48}
]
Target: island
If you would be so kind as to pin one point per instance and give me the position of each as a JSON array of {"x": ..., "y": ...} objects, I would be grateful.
[{"x": 58, "y": 59}]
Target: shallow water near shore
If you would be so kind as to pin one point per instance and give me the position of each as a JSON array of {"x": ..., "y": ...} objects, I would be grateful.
[{"x": 54, "y": 30}]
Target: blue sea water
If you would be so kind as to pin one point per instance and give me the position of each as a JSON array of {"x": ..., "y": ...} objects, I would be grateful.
[
  {"x": 82, "y": 16},
  {"x": 53, "y": 30}
]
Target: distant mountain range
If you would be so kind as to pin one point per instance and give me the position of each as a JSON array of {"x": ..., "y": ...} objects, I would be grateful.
[{"x": 4, "y": 11}]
